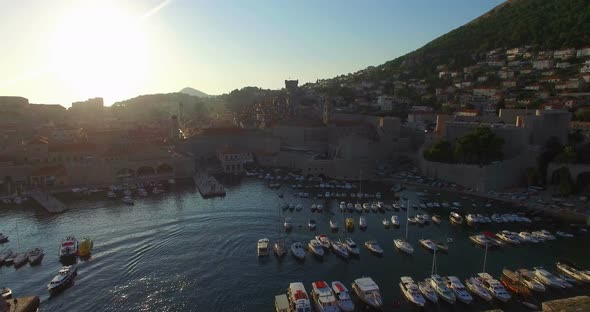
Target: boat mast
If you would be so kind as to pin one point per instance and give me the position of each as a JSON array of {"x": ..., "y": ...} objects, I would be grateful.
[
  {"x": 433, "y": 262},
  {"x": 485, "y": 257},
  {"x": 407, "y": 222},
  {"x": 17, "y": 237}
]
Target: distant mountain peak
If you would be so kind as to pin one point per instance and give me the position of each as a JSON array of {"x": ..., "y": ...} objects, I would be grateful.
[{"x": 194, "y": 92}]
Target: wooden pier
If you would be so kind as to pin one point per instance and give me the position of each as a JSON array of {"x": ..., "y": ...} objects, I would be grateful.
[
  {"x": 48, "y": 201},
  {"x": 207, "y": 185}
]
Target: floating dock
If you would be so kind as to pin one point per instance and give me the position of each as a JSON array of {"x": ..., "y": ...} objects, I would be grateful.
[
  {"x": 208, "y": 186},
  {"x": 48, "y": 201}
]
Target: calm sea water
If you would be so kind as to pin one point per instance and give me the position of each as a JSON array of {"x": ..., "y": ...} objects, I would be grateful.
[{"x": 179, "y": 252}]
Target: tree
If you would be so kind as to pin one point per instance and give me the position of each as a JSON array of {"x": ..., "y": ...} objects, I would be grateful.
[
  {"x": 441, "y": 151},
  {"x": 567, "y": 156},
  {"x": 481, "y": 146},
  {"x": 566, "y": 184}
]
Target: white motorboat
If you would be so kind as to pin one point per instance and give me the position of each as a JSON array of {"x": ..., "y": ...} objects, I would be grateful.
[
  {"x": 316, "y": 248},
  {"x": 280, "y": 248},
  {"x": 368, "y": 291},
  {"x": 529, "y": 279},
  {"x": 350, "y": 207},
  {"x": 262, "y": 247},
  {"x": 436, "y": 219},
  {"x": 455, "y": 218},
  {"x": 288, "y": 224},
  {"x": 352, "y": 247},
  {"x": 358, "y": 208},
  {"x": 374, "y": 207},
  {"x": 528, "y": 237},
  {"x": 420, "y": 219},
  {"x": 481, "y": 240},
  {"x": 342, "y": 295},
  {"x": 340, "y": 249},
  {"x": 564, "y": 234},
  {"x": 35, "y": 256},
  {"x": 412, "y": 219},
  {"x": 428, "y": 244},
  {"x": 386, "y": 223},
  {"x": 427, "y": 291},
  {"x": 461, "y": 293},
  {"x": 549, "y": 279},
  {"x": 508, "y": 237},
  {"x": 443, "y": 292},
  {"x": 342, "y": 206},
  {"x": 543, "y": 235},
  {"x": 494, "y": 287},
  {"x": 572, "y": 271},
  {"x": 333, "y": 225},
  {"x": 323, "y": 297},
  {"x": 404, "y": 246},
  {"x": 6, "y": 293},
  {"x": 298, "y": 299},
  {"x": 475, "y": 286},
  {"x": 396, "y": 206},
  {"x": 311, "y": 224},
  {"x": 68, "y": 250},
  {"x": 411, "y": 291},
  {"x": 374, "y": 247},
  {"x": 62, "y": 280},
  {"x": 395, "y": 220},
  {"x": 128, "y": 200},
  {"x": 362, "y": 222},
  {"x": 366, "y": 207},
  {"x": 319, "y": 207},
  {"x": 299, "y": 207},
  {"x": 297, "y": 250},
  {"x": 324, "y": 240},
  {"x": 471, "y": 219}
]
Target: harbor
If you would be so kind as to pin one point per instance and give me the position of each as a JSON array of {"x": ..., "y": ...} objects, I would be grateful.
[{"x": 179, "y": 228}]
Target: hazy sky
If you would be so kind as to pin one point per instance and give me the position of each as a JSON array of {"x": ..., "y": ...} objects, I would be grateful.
[{"x": 62, "y": 51}]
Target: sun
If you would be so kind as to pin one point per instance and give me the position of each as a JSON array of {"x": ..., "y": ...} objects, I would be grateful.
[{"x": 99, "y": 50}]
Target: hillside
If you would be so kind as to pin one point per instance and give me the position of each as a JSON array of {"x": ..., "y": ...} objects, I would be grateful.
[
  {"x": 194, "y": 92},
  {"x": 543, "y": 24}
]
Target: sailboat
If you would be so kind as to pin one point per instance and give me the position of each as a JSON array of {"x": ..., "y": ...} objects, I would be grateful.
[
  {"x": 438, "y": 284},
  {"x": 21, "y": 258},
  {"x": 492, "y": 286},
  {"x": 279, "y": 247},
  {"x": 402, "y": 244}
]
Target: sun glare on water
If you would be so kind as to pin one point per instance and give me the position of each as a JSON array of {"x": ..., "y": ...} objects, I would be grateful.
[{"x": 100, "y": 50}]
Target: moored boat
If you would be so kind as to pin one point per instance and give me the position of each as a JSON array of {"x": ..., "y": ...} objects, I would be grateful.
[
  {"x": 323, "y": 297},
  {"x": 373, "y": 246},
  {"x": 455, "y": 218},
  {"x": 86, "y": 246},
  {"x": 573, "y": 272},
  {"x": 298, "y": 298},
  {"x": 412, "y": 292},
  {"x": 362, "y": 222},
  {"x": 368, "y": 291},
  {"x": 297, "y": 250},
  {"x": 324, "y": 240},
  {"x": 427, "y": 291},
  {"x": 403, "y": 245},
  {"x": 443, "y": 292},
  {"x": 280, "y": 248},
  {"x": 316, "y": 248},
  {"x": 461, "y": 293},
  {"x": 352, "y": 247},
  {"x": 68, "y": 249},
  {"x": 35, "y": 256},
  {"x": 262, "y": 247},
  {"x": 428, "y": 244},
  {"x": 475, "y": 286},
  {"x": 311, "y": 224},
  {"x": 340, "y": 249},
  {"x": 548, "y": 279},
  {"x": 6, "y": 293},
  {"x": 62, "y": 280},
  {"x": 494, "y": 287},
  {"x": 343, "y": 296}
]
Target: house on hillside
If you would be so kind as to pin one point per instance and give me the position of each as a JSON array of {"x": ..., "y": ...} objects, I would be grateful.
[
  {"x": 543, "y": 64},
  {"x": 564, "y": 54},
  {"x": 583, "y": 52}
]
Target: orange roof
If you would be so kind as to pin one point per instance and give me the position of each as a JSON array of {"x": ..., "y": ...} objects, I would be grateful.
[{"x": 56, "y": 171}]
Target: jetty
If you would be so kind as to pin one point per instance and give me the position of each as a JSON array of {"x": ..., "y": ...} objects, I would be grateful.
[
  {"x": 207, "y": 185},
  {"x": 48, "y": 201},
  {"x": 22, "y": 304}
]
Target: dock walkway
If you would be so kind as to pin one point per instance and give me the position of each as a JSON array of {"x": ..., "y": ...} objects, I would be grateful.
[
  {"x": 48, "y": 201},
  {"x": 207, "y": 185}
]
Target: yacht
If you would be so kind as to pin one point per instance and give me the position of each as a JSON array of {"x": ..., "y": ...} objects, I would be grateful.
[
  {"x": 461, "y": 293},
  {"x": 63, "y": 279},
  {"x": 352, "y": 247},
  {"x": 508, "y": 237},
  {"x": 362, "y": 222},
  {"x": 494, "y": 287},
  {"x": 35, "y": 256},
  {"x": 437, "y": 283},
  {"x": 298, "y": 299},
  {"x": 368, "y": 291},
  {"x": 428, "y": 244},
  {"x": 324, "y": 240},
  {"x": 374, "y": 247},
  {"x": 340, "y": 249},
  {"x": 262, "y": 247},
  {"x": 128, "y": 200},
  {"x": 427, "y": 291},
  {"x": 436, "y": 219},
  {"x": 20, "y": 259},
  {"x": 311, "y": 225},
  {"x": 333, "y": 225},
  {"x": 386, "y": 223},
  {"x": 549, "y": 279},
  {"x": 412, "y": 292},
  {"x": 455, "y": 218},
  {"x": 288, "y": 224},
  {"x": 316, "y": 248},
  {"x": 543, "y": 235},
  {"x": 475, "y": 286},
  {"x": 297, "y": 250},
  {"x": 68, "y": 249},
  {"x": 529, "y": 279},
  {"x": 528, "y": 237},
  {"x": 323, "y": 297},
  {"x": 280, "y": 248},
  {"x": 403, "y": 245},
  {"x": 349, "y": 222},
  {"x": 343, "y": 297},
  {"x": 395, "y": 220},
  {"x": 572, "y": 271}
]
